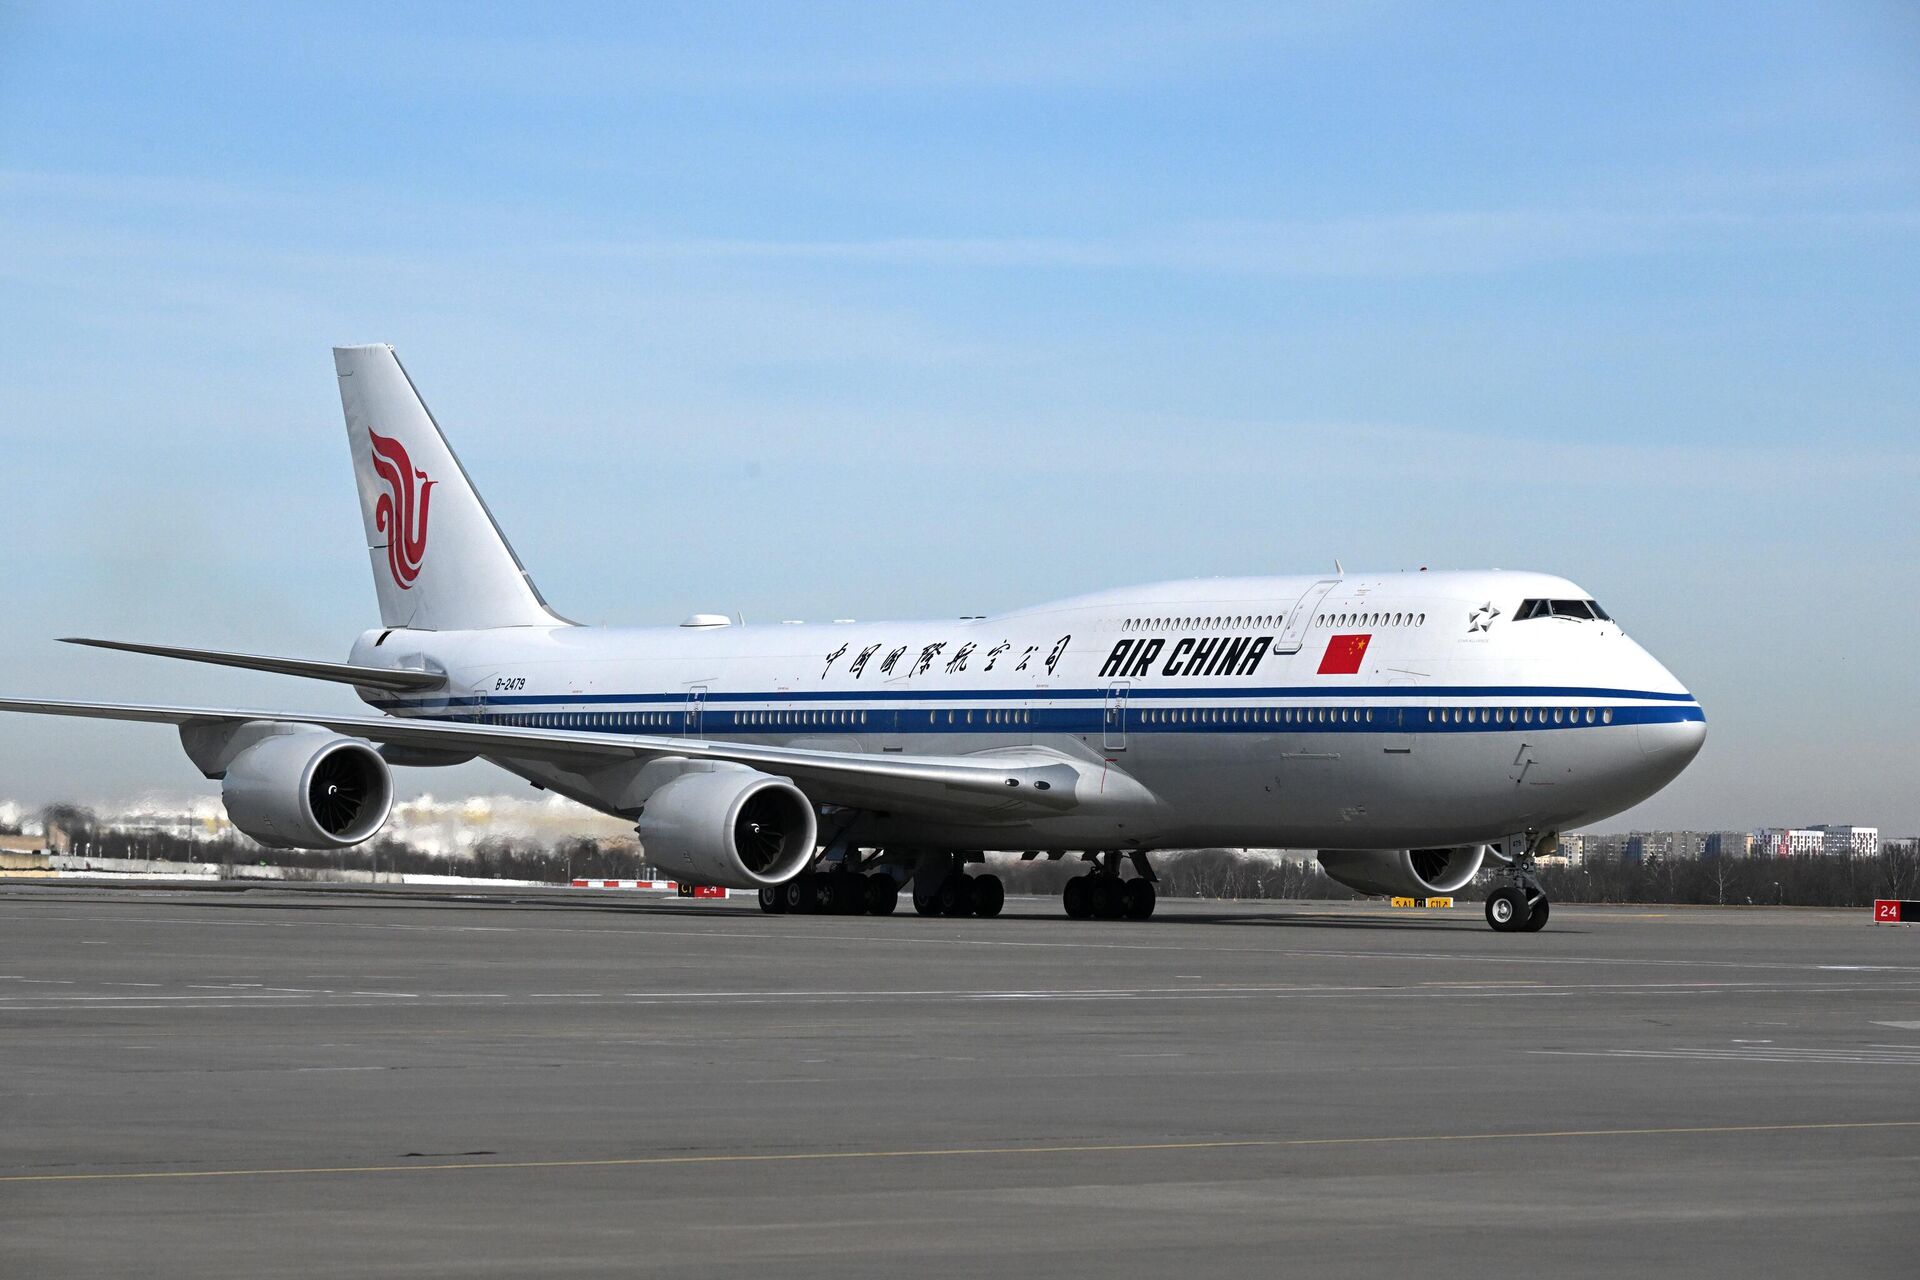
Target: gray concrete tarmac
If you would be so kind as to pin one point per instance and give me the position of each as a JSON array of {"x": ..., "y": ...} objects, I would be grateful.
[{"x": 286, "y": 1082}]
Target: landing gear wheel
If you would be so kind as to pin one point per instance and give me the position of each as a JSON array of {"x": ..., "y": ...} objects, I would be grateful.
[
  {"x": 1077, "y": 899},
  {"x": 800, "y": 894},
  {"x": 1104, "y": 895},
  {"x": 773, "y": 898},
  {"x": 849, "y": 893},
  {"x": 1137, "y": 899},
  {"x": 924, "y": 903},
  {"x": 989, "y": 895},
  {"x": 1536, "y": 915},
  {"x": 955, "y": 895},
  {"x": 1507, "y": 910},
  {"x": 883, "y": 895}
]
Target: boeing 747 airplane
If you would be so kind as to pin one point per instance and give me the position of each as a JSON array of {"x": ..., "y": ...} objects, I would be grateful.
[{"x": 1412, "y": 727}]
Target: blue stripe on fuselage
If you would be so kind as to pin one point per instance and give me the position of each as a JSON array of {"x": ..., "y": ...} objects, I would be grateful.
[
  {"x": 946, "y": 697},
  {"x": 1086, "y": 721}
]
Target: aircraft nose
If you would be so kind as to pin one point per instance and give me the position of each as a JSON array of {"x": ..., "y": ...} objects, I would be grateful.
[{"x": 1671, "y": 746}]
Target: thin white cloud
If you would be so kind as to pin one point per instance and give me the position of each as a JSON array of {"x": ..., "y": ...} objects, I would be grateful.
[{"x": 1364, "y": 245}]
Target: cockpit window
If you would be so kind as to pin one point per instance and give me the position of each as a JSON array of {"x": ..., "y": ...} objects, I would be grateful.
[{"x": 1581, "y": 610}]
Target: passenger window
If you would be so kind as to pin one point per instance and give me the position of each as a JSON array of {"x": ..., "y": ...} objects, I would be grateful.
[{"x": 1606, "y": 715}]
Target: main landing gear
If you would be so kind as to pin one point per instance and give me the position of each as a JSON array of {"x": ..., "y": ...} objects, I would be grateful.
[
  {"x": 845, "y": 893},
  {"x": 1101, "y": 894},
  {"x": 1519, "y": 903},
  {"x": 960, "y": 894},
  {"x": 877, "y": 893}
]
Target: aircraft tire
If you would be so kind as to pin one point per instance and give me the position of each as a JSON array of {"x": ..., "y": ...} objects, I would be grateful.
[
  {"x": 883, "y": 895},
  {"x": 1075, "y": 899},
  {"x": 1103, "y": 895},
  {"x": 1537, "y": 914},
  {"x": 989, "y": 895},
  {"x": 1507, "y": 910},
  {"x": 800, "y": 893},
  {"x": 955, "y": 897},
  {"x": 1137, "y": 899},
  {"x": 849, "y": 893},
  {"x": 773, "y": 898}
]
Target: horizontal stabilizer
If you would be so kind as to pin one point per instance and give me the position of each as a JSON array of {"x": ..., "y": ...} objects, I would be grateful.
[{"x": 387, "y": 678}]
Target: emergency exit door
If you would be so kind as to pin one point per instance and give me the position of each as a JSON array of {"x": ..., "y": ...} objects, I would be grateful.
[
  {"x": 1294, "y": 634},
  {"x": 1113, "y": 724}
]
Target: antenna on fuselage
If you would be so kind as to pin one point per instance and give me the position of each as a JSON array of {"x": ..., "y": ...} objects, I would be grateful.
[{"x": 1339, "y": 568}]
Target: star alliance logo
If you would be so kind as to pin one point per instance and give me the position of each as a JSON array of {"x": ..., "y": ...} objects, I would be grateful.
[{"x": 1481, "y": 619}]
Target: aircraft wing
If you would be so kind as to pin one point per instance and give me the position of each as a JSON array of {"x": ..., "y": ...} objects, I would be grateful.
[
  {"x": 1014, "y": 783},
  {"x": 390, "y": 678}
]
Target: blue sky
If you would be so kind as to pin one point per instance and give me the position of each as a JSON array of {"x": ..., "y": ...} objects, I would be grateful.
[{"x": 838, "y": 311}]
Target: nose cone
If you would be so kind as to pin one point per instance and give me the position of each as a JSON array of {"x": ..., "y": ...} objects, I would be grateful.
[{"x": 1669, "y": 747}]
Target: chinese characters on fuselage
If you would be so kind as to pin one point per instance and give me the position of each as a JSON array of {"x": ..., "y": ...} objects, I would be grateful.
[{"x": 953, "y": 666}]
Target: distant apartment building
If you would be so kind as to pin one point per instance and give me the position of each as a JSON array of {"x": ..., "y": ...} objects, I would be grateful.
[
  {"x": 1788, "y": 842},
  {"x": 1831, "y": 839},
  {"x": 1614, "y": 846},
  {"x": 1849, "y": 842},
  {"x": 1727, "y": 844},
  {"x": 1572, "y": 851},
  {"x": 1649, "y": 846}
]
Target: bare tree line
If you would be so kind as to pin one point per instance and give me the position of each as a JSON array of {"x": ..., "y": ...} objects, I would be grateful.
[{"x": 1815, "y": 880}]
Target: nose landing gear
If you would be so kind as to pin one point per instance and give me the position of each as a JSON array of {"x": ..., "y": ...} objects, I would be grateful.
[{"x": 1519, "y": 903}]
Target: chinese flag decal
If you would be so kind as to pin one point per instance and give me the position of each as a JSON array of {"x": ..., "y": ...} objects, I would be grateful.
[{"x": 1343, "y": 655}]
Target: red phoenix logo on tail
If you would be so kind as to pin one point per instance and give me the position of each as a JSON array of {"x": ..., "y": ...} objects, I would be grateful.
[{"x": 401, "y": 512}]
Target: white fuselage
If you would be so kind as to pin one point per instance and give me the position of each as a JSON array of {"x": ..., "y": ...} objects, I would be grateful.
[{"x": 1245, "y": 711}]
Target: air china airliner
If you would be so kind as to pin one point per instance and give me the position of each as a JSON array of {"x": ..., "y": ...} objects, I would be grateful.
[{"x": 1412, "y": 727}]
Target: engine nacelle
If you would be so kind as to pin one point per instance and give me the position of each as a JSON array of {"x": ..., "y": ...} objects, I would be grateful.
[
  {"x": 312, "y": 790},
  {"x": 1409, "y": 873},
  {"x": 729, "y": 826}
]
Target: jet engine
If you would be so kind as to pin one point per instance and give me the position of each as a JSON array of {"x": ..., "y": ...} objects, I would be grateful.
[
  {"x": 1410, "y": 873},
  {"x": 308, "y": 791},
  {"x": 735, "y": 827}
]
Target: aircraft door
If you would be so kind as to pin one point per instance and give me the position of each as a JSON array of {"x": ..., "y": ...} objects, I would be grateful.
[
  {"x": 1294, "y": 634},
  {"x": 1113, "y": 724},
  {"x": 1399, "y": 742},
  {"x": 696, "y": 706}
]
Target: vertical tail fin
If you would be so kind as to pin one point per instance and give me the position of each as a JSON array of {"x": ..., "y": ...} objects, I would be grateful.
[{"x": 440, "y": 563}]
